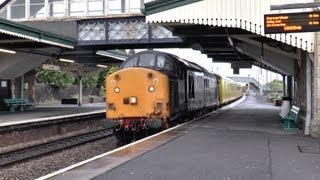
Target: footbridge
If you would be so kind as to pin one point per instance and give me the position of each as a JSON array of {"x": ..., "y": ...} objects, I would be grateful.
[
  {"x": 252, "y": 81},
  {"x": 225, "y": 30}
]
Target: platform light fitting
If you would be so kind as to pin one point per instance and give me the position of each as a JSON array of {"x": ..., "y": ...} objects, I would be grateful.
[
  {"x": 103, "y": 66},
  {"x": 7, "y": 51},
  {"x": 66, "y": 60}
]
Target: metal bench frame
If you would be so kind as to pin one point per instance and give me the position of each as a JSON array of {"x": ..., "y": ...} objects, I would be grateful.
[
  {"x": 22, "y": 104},
  {"x": 290, "y": 119}
]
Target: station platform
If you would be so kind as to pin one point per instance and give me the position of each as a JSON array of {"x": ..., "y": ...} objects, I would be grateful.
[
  {"x": 245, "y": 142},
  {"x": 47, "y": 111}
]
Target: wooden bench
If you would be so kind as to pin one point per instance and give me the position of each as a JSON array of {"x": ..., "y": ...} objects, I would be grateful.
[
  {"x": 21, "y": 104},
  {"x": 289, "y": 120}
]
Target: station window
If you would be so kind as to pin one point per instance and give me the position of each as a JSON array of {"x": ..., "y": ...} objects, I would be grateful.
[
  {"x": 124, "y": 6},
  {"x": 76, "y": 7},
  {"x": 3, "y": 14},
  {"x": 147, "y": 60},
  {"x": 116, "y": 6},
  {"x": 135, "y": 6},
  {"x": 95, "y": 7},
  {"x": 191, "y": 87},
  {"x": 37, "y": 9},
  {"x": 18, "y": 9},
  {"x": 56, "y": 8}
]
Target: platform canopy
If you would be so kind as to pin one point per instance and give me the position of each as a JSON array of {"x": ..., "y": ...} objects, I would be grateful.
[
  {"x": 15, "y": 35},
  {"x": 23, "y": 48}
]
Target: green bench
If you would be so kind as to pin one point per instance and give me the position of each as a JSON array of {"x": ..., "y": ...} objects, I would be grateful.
[
  {"x": 21, "y": 104},
  {"x": 289, "y": 120}
]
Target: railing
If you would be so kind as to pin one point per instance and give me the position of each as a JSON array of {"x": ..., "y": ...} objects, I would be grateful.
[{"x": 46, "y": 9}]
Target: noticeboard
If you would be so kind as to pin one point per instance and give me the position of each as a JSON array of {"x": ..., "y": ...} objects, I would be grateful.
[{"x": 292, "y": 22}]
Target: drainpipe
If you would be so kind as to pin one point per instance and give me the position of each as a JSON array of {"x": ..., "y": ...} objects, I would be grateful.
[{"x": 22, "y": 84}]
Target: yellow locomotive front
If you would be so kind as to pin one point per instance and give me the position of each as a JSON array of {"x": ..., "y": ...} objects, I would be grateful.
[{"x": 138, "y": 98}]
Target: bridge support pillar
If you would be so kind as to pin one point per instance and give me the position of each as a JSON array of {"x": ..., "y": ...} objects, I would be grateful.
[
  {"x": 284, "y": 85},
  {"x": 315, "y": 119}
]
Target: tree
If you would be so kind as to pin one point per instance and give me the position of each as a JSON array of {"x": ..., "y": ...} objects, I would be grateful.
[
  {"x": 102, "y": 77},
  {"x": 91, "y": 81},
  {"x": 104, "y": 74},
  {"x": 276, "y": 85},
  {"x": 54, "y": 78}
]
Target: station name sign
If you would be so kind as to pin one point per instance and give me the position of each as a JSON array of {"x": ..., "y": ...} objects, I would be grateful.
[{"x": 292, "y": 22}]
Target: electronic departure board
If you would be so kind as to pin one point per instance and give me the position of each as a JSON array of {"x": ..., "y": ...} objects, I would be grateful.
[{"x": 292, "y": 22}]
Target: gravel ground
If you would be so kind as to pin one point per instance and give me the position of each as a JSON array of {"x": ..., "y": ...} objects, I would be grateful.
[{"x": 41, "y": 166}]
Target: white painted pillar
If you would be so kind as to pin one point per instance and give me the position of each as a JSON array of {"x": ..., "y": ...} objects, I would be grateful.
[
  {"x": 27, "y": 9},
  {"x": 66, "y": 8},
  {"x": 86, "y": 6},
  {"x": 46, "y": 7},
  {"x": 80, "y": 91},
  {"x": 309, "y": 95},
  {"x": 315, "y": 119}
]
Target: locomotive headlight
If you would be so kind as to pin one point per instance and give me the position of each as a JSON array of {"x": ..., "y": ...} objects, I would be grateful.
[
  {"x": 116, "y": 90},
  {"x": 151, "y": 88},
  {"x": 133, "y": 100}
]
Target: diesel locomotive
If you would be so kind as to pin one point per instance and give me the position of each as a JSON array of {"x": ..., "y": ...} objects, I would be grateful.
[{"x": 153, "y": 88}]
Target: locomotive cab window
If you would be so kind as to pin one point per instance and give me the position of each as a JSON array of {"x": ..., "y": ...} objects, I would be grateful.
[
  {"x": 147, "y": 60},
  {"x": 131, "y": 63},
  {"x": 164, "y": 63}
]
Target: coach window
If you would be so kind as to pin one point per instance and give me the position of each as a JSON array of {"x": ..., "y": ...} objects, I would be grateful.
[
  {"x": 147, "y": 60},
  {"x": 132, "y": 62},
  {"x": 191, "y": 87}
]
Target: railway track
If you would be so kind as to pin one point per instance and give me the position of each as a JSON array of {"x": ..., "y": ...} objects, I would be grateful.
[{"x": 45, "y": 148}]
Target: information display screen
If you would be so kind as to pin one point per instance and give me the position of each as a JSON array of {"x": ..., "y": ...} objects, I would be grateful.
[{"x": 292, "y": 22}]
